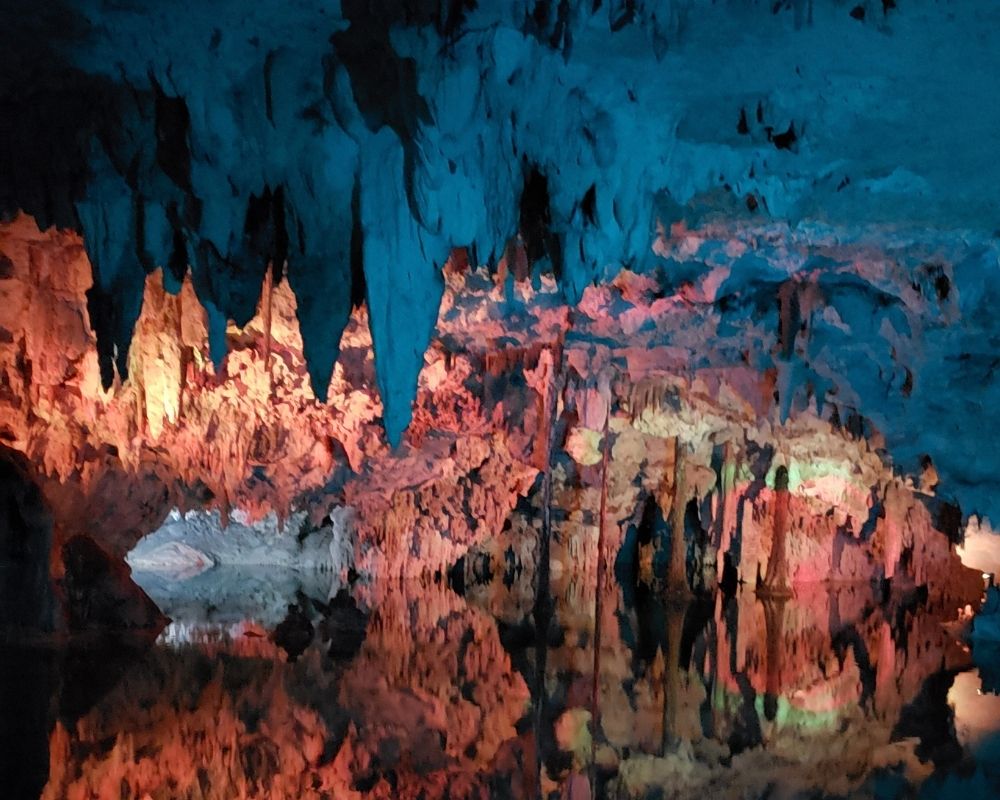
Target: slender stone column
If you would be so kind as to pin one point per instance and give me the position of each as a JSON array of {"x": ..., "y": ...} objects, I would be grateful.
[
  {"x": 677, "y": 582},
  {"x": 776, "y": 580}
]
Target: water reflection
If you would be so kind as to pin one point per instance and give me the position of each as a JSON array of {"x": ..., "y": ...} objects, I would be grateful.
[{"x": 412, "y": 690}]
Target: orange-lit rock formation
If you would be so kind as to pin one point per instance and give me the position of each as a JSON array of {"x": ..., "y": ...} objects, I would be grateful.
[
  {"x": 249, "y": 433},
  {"x": 637, "y": 429}
]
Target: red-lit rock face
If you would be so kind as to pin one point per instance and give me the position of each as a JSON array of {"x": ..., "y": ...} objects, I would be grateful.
[
  {"x": 505, "y": 363},
  {"x": 175, "y": 413}
]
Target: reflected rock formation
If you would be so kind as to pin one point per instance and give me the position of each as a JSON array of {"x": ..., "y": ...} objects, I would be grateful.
[
  {"x": 826, "y": 692},
  {"x": 427, "y": 707}
]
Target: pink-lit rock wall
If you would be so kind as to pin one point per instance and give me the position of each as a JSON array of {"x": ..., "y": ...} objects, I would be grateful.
[{"x": 510, "y": 367}]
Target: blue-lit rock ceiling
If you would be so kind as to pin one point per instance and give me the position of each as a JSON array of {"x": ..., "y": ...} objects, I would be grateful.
[{"x": 361, "y": 142}]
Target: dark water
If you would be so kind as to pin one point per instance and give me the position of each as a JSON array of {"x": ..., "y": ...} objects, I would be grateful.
[{"x": 418, "y": 691}]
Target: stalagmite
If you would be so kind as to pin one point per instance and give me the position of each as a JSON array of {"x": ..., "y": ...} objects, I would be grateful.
[
  {"x": 776, "y": 579},
  {"x": 676, "y": 608},
  {"x": 267, "y": 300},
  {"x": 885, "y": 671},
  {"x": 896, "y": 508},
  {"x": 725, "y": 511},
  {"x": 677, "y": 580},
  {"x": 602, "y": 523},
  {"x": 774, "y": 631}
]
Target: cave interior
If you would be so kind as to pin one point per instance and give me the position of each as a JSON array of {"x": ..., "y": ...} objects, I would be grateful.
[{"x": 504, "y": 398}]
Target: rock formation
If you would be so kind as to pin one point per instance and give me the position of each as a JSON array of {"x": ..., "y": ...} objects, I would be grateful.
[{"x": 250, "y": 435}]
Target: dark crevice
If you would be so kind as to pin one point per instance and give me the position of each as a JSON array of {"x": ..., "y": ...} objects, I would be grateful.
[
  {"x": 742, "y": 126},
  {"x": 384, "y": 84},
  {"x": 589, "y": 206},
  {"x": 177, "y": 264},
  {"x": 172, "y": 126},
  {"x": 265, "y": 237},
  {"x": 359, "y": 288},
  {"x": 623, "y": 16},
  {"x": 785, "y": 140},
  {"x": 535, "y": 222}
]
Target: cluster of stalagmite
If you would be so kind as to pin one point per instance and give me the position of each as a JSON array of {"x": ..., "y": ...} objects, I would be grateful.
[
  {"x": 204, "y": 426},
  {"x": 250, "y": 435}
]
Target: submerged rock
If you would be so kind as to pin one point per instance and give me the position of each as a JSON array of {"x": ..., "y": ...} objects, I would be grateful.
[{"x": 172, "y": 559}]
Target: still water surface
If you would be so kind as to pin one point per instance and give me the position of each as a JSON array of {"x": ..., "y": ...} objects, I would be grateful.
[{"x": 421, "y": 691}]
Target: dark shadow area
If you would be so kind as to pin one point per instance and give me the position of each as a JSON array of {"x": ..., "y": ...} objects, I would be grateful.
[{"x": 26, "y": 596}]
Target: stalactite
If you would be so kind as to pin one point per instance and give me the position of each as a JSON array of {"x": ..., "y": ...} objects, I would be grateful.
[
  {"x": 647, "y": 394},
  {"x": 499, "y": 362},
  {"x": 788, "y": 304}
]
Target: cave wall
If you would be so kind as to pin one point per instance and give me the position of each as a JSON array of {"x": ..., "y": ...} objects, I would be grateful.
[{"x": 785, "y": 376}]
